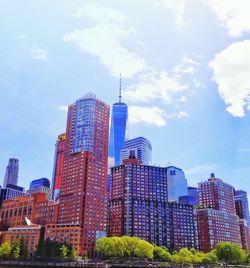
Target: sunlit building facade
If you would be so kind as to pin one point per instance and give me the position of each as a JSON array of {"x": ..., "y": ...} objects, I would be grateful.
[
  {"x": 141, "y": 147},
  {"x": 139, "y": 206},
  {"x": 83, "y": 194}
]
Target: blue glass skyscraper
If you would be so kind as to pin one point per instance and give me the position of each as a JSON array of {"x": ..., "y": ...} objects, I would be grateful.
[{"x": 118, "y": 128}]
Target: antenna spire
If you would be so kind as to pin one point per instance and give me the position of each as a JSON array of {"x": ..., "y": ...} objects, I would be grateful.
[{"x": 120, "y": 89}]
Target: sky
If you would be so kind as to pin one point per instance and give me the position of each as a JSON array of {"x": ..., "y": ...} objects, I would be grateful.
[{"x": 185, "y": 68}]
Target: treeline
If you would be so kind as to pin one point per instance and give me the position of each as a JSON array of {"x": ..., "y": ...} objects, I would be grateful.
[
  {"x": 52, "y": 250},
  {"x": 46, "y": 250},
  {"x": 127, "y": 249},
  {"x": 14, "y": 251}
]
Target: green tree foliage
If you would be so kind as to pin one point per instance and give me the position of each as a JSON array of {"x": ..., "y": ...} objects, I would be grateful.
[
  {"x": 161, "y": 254},
  {"x": 230, "y": 253},
  {"x": 6, "y": 250},
  {"x": 144, "y": 249},
  {"x": 63, "y": 252},
  {"x": 52, "y": 250},
  {"x": 109, "y": 247}
]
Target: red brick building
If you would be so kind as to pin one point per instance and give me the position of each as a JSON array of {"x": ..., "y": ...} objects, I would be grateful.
[
  {"x": 217, "y": 220},
  {"x": 36, "y": 207},
  {"x": 83, "y": 194}
]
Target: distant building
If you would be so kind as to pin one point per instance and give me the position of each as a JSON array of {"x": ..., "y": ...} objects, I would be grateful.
[
  {"x": 244, "y": 234},
  {"x": 187, "y": 199},
  {"x": 11, "y": 174},
  {"x": 177, "y": 183},
  {"x": 139, "y": 206},
  {"x": 141, "y": 147},
  {"x": 42, "y": 189},
  {"x": 58, "y": 166},
  {"x": 242, "y": 206},
  {"x": 193, "y": 191},
  {"x": 10, "y": 192},
  {"x": 118, "y": 129},
  {"x": 38, "y": 183}
]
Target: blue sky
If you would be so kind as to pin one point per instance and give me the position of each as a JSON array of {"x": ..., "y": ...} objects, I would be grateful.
[{"x": 186, "y": 78}]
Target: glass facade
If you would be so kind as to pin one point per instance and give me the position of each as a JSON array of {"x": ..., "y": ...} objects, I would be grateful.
[
  {"x": 141, "y": 147},
  {"x": 83, "y": 129},
  {"x": 39, "y": 183},
  {"x": 241, "y": 205},
  {"x": 118, "y": 130},
  {"x": 177, "y": 184}
]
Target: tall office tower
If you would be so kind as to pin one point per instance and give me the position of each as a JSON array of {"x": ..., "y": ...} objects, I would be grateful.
[
  {"x": 119, "y": 121},
  {"x": 58, "y": 166},
  {"x": 177, "y": 183},
  {"x": 138, "y": 206},
  {"x": 83, "y": 196},
  {"x": 11, "y": 175},
  {"x": 217, "y": 220},
  {"x": 141, "y": 147},
  {"x": 216, "y": 194},
  {"x": 241, "y": 205}
]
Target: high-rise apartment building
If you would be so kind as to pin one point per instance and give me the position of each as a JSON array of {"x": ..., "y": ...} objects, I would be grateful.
[
  {"x": 217, "y": 220},
  {"x": 58, "y": 166},
  {"x": 241, "y": 205},
  {"x": 11, "y": 174},
  {"x": 139, "y": 206},
  {"x": 83, "y": 194},
  {"x": 217, "y": 226},
  {"x": 118, "y": 129},
  {"x": 141, "y": 147},
  {"x": 177, "y": 183},
  {"x": 216, "y": 194}
]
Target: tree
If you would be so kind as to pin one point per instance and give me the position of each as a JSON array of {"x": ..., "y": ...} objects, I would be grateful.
[
  {"x": 63, "y": 251},
  {"x": 6, "y": 250},
  {"x": 161, "y": 254},
  {"x": 15, "y": 250},
  {"x": 229, "y": 253},
  {"x": 144, "y": 250},
  {"x": 72, "y": 255}
]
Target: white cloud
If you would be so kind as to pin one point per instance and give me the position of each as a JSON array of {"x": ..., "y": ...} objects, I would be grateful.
[
  {"x": 38, "y": 53},
  {"x": 149, "y": 115},
  {"x": 104, "y": 40},
  {"x": 177, "y": 8},
  {"x": 154, "y": 85},
  {"x": 233, "y": 14},
  {"x": 231, "y": 70},
  {"x": 63, "y": 108}
]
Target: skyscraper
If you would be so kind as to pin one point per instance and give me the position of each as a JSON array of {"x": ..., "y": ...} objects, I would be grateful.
[
  {"x": 141, "y": 147},
  {"x": 177, "y": 183},
  {"x": 11, "y": 175},
  {"x": 83, "y": 195},
  {"x": 119, "y": 121},
  {"x": 58, "y": 166}
]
